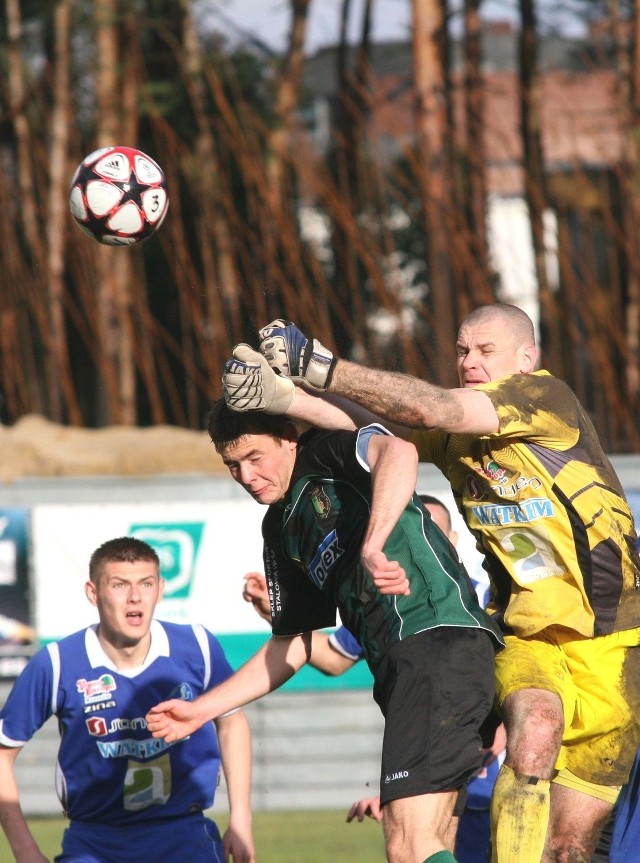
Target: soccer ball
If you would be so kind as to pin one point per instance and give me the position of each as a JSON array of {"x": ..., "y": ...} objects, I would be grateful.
[{"x": 118, "y": 196}]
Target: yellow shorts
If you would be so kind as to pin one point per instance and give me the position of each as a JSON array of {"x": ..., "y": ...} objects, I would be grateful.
[{"x": 598, "y": 682}]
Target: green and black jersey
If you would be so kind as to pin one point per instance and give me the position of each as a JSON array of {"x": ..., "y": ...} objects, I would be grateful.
[
  {"x": 547, "y": 510},
  {"x": 312, "y": 542}
]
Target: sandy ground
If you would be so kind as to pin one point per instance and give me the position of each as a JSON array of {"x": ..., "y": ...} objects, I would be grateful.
[{"x": 36, "y": 447}]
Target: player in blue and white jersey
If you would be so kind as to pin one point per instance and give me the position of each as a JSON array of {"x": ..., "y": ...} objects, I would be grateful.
[{"x": 127, "y": 796}]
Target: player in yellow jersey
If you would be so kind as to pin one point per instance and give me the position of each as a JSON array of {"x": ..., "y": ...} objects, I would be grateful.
[{"x": 533, "y": 484}]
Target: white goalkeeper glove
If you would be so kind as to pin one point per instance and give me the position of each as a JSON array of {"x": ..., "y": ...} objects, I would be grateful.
[
  {"x": 250, "y": 384},
  {"x": 292, "y": 354}
]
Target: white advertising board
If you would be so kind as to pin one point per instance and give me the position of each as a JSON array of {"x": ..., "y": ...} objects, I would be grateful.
[{"x": 205, "y": 548}]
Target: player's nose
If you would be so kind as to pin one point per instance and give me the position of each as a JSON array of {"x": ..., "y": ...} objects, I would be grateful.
[{"x": 246, "y": 474}]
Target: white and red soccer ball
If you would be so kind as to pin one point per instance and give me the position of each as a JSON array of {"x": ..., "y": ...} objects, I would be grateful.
[{"x": 118, "y": 196}]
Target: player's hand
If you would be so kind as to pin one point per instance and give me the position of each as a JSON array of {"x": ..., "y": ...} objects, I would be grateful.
[
  {"x": 387, "y": 575},
  {"x": 292, "y": 354},
  {"x": 491, "y": 753},
  {"x": 250, "y": 384},
  {"x": 238, "y": 840},
  {"x": 255, "y": 591},
  {"x": 174, "y": 720},
  {"x": 368, "y": 806}
]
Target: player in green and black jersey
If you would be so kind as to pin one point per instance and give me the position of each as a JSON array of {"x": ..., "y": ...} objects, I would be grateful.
[{"x": 339, "y": 504}]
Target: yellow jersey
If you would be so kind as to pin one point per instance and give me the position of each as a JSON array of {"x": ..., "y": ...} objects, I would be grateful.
[{"x": 547, "y": 510}]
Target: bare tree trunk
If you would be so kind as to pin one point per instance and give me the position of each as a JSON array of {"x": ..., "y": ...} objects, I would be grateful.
[
  {"x": 628, "y": 67},
  {"x": 633, "y": 302},
  {"x": 110, "y": 300},
  {"x": 27, "y": 212},
  {"x": 62, "y": 380},
  {"x": 475, "y": 156},
  {"x": 133, "y": 301},
  {"x": 534, "y": 178},
  {"x": 287, "y": 97},
  {"x": 346, "y": 127},
  {"x": 123, "y": 266},
  {"x": 429, "y": 20},
  {"x": 17, "y": 97},
  {"x": 220, "y": 277}
]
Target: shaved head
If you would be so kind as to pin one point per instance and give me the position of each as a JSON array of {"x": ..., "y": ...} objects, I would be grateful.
[{"x": 517, "y": 323}]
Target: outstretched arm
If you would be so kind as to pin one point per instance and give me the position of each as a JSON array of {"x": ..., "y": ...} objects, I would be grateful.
[
  {"x": 269, "y": 668},
  {"x": 394, "y": 473},
  {"x": 21, "y": 840},
  {"x": 412, "y": 402},
  {"x": 396, "y": 398},
  {"x": 335, "y": 412},
  {"x": 234, "y": 736},
  {"x": 250, "y": 384}
]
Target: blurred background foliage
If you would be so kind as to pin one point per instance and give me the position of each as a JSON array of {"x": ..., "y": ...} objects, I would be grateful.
[{"x": 350, "y": 191}]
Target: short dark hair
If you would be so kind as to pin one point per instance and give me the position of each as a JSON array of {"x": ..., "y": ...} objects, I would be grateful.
[
  {"x": 225, "y": 426},
  {"x": 434, "y": 501},
  {"x": 123, "y": 549}
]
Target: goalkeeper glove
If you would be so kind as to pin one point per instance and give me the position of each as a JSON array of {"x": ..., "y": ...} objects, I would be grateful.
[
  {"x": 250, "y": 384},
  {"x": 292, "y": 354}
]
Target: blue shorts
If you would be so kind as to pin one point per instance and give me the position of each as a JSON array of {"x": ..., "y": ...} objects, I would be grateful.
[{"x": 193, "y": 838}]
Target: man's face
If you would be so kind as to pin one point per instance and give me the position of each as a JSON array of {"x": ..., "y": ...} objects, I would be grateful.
[
  {"x": 262, "y": 464},
  {"x": 489, "y": 350},
  {"x": 126, "y": 595}
]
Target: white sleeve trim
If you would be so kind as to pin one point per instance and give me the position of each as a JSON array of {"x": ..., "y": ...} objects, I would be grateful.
[
  {"x": 54, "y": 655},
  {"x": 203, "y": 642},
  {"x": 9, "y": 742}
]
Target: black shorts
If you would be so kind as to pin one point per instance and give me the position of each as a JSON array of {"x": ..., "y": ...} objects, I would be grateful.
[{"x": 435, "y": 689}]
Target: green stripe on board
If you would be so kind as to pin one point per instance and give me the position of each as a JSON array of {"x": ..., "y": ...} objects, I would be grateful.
[{"x": 238, "y": 647}]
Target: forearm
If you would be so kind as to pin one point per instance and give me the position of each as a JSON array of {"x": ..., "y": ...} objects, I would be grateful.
[
  {"x": 394, "y": 474},
  {"x": 234, "y": 736},
  {"x": 323, "y": 411},
  {"x": 21, "y": 841},
  {"x": 12, "y": 820},
  {"x": 325, "y": 658},
  {"x": 330, "y": 411},
  {"x": 396, "y": 397},
  {"x": 269, "y": 668}
]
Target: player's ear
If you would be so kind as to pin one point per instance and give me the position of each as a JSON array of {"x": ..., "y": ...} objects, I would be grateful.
[
  {"x": 91, "y": 592},
  {"x": 290, "y": 433},
  {"x": 161, "y": 586},
  {"x": 528, "y": 358}
]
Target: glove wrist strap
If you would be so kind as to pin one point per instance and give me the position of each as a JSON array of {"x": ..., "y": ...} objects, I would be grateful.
[{"x": 319, "y": 369}]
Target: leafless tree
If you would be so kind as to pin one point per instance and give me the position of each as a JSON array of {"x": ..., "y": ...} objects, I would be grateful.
[
  {"x": 534, "y": 175},
  {"x": 429, "y": 22}
]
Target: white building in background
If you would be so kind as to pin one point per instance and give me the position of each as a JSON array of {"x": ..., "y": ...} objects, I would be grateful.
[
  {"x": 581, "y": 135},
  {"x": 511, "y": 249}
]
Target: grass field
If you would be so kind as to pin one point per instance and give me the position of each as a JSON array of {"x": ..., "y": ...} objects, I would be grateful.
[{"x": 280, "y": 837}]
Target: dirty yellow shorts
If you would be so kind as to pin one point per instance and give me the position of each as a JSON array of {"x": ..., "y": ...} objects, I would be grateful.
[{"x": 598, "y": 682}]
